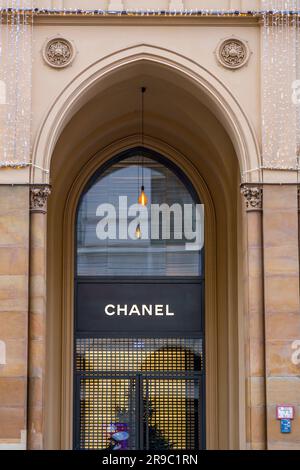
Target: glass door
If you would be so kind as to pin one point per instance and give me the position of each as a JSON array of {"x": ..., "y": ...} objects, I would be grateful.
[{"x": 139, "y": 394}]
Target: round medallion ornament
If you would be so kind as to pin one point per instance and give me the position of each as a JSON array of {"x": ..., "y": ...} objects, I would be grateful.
[
  {"x": 233, "y": 53},
  {"x": 58, "y": 52}
]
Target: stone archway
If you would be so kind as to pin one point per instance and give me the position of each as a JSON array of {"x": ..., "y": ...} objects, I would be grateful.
[
  {"x": 92, "y": 120},
  {"x": 221, "y": 101}
]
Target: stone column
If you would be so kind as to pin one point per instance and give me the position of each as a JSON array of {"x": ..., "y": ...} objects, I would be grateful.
[
  {"x": 282, "y": 309},
  {"x": 254, "y": 321},
  {"x": 37, "y": 317},
  {"x": 299, "y": 230}
]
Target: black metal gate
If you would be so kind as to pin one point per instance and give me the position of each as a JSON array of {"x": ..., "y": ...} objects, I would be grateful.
[{"x": 134, "y": 393}]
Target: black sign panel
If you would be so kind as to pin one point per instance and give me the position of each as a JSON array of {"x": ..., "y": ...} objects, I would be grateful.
[{"x": 127, "y": 308}]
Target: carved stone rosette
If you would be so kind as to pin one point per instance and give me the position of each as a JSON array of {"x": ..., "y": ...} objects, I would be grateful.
[
  {"x": 58, "y": 52},
  {"x": 253, "y": 196},
  {"x": 233, "y": 53},
  {"x": 38, "y": 198}
]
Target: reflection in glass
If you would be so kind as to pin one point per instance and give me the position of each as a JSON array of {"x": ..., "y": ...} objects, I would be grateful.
[{"x": 137, "y": 256}]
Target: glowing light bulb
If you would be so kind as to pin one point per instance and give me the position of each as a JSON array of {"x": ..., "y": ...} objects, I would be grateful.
[
  {"x": 143, "y": 200},
  {"x": 138, "y": 232}
]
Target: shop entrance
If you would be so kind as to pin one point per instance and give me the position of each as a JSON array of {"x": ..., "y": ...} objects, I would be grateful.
[
  {"x": 139, "y": 375},
  {"x": 139, "y": 393}
]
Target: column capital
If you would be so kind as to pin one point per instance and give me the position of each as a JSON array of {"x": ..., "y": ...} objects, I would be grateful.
[
  {"x": 38, "y": 198},
  {"x": 253, "y": 196}
]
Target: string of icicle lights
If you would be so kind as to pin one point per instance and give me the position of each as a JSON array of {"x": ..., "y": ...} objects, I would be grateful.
[
  {"x": 280, "y": 68},
  {"x": 150, "y": 12},
  {"x": 280, "y": 88},
  {"x": 15, "y": 86}
]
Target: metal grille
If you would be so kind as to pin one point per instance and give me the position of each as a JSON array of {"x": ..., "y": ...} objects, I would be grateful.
[
  {"x": 138, "y": 393},
  {"x": 140, "y": 354},
  {"x": 106, "y": 406},
  {"x": 171, "y": 413}
]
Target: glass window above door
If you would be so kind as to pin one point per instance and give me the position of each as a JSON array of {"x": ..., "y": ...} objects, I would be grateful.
[{"x": 108, "y": 221}]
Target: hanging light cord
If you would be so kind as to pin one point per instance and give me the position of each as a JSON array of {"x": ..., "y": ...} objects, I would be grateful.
[
  {"x": 142, "y": 199},
  {"x": 143, "y": 89}
]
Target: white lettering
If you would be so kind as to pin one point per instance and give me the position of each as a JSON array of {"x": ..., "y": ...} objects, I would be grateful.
[
  {"x": 108, "y": 310},
  {"x": 123, "y": 221},
  {"x": 134, "y": 309},
  {"x": 168, "y": 313},
  {"x": 166, "y": 211},
  {"x": 106, "y": 228},
  {"x": 122, "y": 309},
  {"x": 156, "y": 222},
  {"x": 147, "y": 309},
  {"x": 158, "y": 310},
  {"x": 2, "y": 353},
  {"x": 118, "y": 460},
  {"x": 296, "y": 353},
  {"x": 198, "y": 234},
  {"x": 141, "y": 219}
]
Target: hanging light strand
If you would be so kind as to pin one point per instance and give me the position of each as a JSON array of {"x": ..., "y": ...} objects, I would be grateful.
[
  {"x": 15, "y": 84},
  {"x": 280, "y": 72},
  {"x": 280, "y": 7}
]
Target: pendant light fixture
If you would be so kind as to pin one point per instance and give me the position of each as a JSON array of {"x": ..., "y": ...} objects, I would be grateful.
[
  {"x": 143, "y": 200},
  {"x": 138, "y": 232}
]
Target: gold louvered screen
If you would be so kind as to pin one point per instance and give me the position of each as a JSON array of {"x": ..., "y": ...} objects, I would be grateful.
[
  {"x": 170, "y": 410},
  {"x": 139, "y": 393},
  {"x": 107, "y": 406}
]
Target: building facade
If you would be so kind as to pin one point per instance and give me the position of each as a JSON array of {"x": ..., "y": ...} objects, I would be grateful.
[{"x": 221, "y": 126}]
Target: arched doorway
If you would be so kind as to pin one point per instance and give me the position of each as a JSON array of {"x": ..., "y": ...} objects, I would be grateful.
[
  {"x": 182, "y": 125},
  {"x": 139, "y": 369}
]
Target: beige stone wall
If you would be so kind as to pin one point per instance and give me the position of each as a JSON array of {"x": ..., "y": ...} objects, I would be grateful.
[
  {"x": 14, "y": 264},
  {"x": 282, "y": 309},
  {"x": 187, "y": 122},
  {"x": 196, "y": 44},
  {"x": 259, "y": 314}
]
